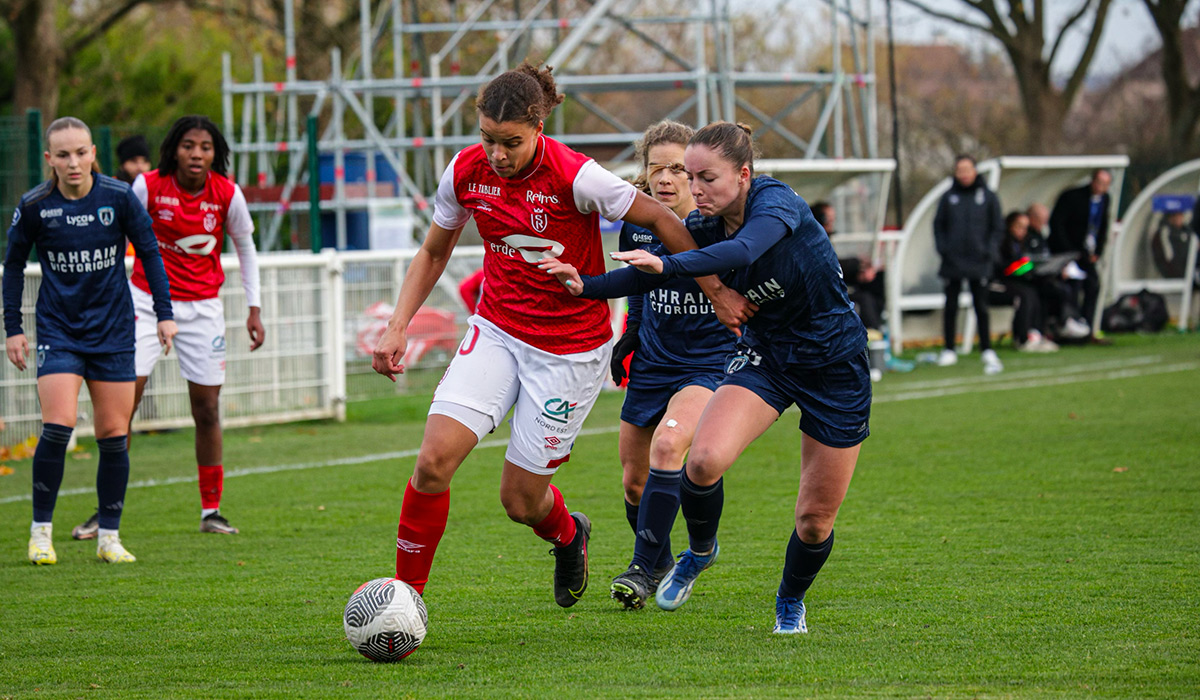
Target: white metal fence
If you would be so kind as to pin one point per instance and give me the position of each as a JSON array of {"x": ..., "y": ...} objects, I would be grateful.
[{"x": 322, "y": 314}]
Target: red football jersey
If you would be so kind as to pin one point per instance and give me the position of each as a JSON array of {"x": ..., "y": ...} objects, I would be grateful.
[
  {"x": 553, "y": 210},
  {"x": 190, "y": 230}
]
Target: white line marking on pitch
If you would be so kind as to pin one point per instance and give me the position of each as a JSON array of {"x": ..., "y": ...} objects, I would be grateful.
[{"x": 1037, "y": 378}]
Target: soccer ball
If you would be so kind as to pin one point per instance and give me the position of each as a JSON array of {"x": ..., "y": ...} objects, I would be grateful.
[{"x": 385, "y": 619}]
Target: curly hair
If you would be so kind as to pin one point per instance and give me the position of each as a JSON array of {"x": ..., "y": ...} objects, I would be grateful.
[{"x": 525, "y": 94}]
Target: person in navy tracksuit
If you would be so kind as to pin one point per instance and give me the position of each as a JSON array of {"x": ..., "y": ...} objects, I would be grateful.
[
  {"x": 79, "y": 221},
  {"x": 679, "y": 349},
  {"x": 804, "y": 346}
]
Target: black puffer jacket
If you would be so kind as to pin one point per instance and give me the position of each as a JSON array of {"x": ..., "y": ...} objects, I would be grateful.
[{"x": 967, "y": 230}]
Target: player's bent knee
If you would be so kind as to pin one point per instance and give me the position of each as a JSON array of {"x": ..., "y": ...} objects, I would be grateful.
[
  {"x": 814, "y": 528},
  {"x": 705, "y": 467},
  {"x": 521, "y": 509},
  {"x": 667, "y": 451}
]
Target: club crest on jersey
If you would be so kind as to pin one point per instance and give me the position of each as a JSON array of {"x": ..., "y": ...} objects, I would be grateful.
[
  {"x": 539, "y": 219},
  {"x": 200, "y": 244},
  {"x": 532, "y": 248},
  {"x": 210, "y": 222},
  {"x": 106, "y": 215}
]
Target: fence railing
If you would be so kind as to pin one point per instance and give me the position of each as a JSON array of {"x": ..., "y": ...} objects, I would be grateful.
[{"x": 322, "y": 315}]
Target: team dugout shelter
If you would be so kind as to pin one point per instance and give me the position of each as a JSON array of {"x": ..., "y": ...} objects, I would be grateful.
[
  {"x": 1134, "y": 267},
  {"x": 1019, "y": 181}
]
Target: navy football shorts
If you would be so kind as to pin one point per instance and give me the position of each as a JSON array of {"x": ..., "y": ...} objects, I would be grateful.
[
  {"x": 834, "y": 401},
  {"x": 649, "y": 392},
  {"x": 100, "y": 367}
]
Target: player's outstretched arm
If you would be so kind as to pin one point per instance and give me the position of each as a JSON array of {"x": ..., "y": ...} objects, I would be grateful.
[{"x": 641, "y": 259}]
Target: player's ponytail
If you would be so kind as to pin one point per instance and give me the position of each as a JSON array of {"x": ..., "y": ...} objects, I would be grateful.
[
  {"x": 525, "y": 94},
  {"x": 664, "y": 132},
  {"x": 733, "y": 141},
  {"x": 62, "y": 124}
]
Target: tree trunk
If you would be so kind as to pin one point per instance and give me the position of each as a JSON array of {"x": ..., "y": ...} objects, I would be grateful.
[
  {"x": 1183, "y": 99},
  {"x": 1041, "y": 103},
  {"x": 38, "y": 54}
]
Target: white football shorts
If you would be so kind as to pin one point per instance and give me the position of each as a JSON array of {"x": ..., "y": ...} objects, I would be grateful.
[
  {"x": 550, "y": 394},
  {"x": 200, "y": 343}
]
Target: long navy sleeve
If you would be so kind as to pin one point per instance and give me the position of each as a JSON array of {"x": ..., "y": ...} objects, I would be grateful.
[
  {"x": 755, "y": 237},
  {"x": 139, "y": 229},
  {"x": 622, "y": 282},
  {"x": 19, "y": 245}
]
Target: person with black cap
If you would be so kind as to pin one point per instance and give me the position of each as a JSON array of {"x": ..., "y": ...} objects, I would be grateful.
[{"x": 133, "y": 154}]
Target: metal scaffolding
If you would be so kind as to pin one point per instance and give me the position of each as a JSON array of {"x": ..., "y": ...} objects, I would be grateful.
[{"x": 693, "y": 73}]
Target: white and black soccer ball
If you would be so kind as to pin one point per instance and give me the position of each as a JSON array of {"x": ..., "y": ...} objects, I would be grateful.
[{"x": 385, "y": 619}]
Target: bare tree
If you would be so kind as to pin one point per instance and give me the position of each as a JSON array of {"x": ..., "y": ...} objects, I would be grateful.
[
  {"x": 42, "y": 50},
  {"x": 1183, "y": 96},
  {"x": 1020, "y": 26}
]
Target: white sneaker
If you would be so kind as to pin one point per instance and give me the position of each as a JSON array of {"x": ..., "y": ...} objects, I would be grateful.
[
  {"x": 110, "y": 550},
  {"x": 947, "y": 357},
  {"x": 991, "y": 363},
  {"x": 41, "y": 546},
  {"x": 1074, "y": 329},
  {"x": 1044, "y": 344},
  {"x": 1038, "y": 343}
]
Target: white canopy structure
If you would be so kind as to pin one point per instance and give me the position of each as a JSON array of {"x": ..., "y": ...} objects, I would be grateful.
[
  {"x": 856, "y": 187},
  {"x": 1019, "y": 181},
  {"x": 1133, "y": 268}
]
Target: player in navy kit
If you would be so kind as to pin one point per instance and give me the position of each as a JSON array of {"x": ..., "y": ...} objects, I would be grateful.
[
  {"x": 804, "y": 346},
  {"x": 79, "y": 220},
  {"x": 679, "y": 349}
]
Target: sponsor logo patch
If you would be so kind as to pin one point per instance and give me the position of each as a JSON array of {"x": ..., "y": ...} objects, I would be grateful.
[
  {"x": 558, "y": 410},
  {"x": 531, "y": 248}
]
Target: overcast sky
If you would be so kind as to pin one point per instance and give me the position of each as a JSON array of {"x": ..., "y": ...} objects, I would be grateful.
[{"x": 1129, "y": 34}]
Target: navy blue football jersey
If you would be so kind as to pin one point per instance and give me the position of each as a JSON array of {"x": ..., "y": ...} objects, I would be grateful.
[
  {"x": 678, "y": 328},
  {"x": 781, "y": 259},
  {"x": 84, "y": 304}
]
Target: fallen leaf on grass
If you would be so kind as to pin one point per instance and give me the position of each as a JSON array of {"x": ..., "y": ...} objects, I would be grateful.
[
  {"x": 320, "y": 508},
  {"x": 81, "y": 455},
  {"x": 5, "y": 470},
  {"x": 1072, "y": 415},
  {"x": 254, "y": 438},
  {"x": 1120, "y": 469}
]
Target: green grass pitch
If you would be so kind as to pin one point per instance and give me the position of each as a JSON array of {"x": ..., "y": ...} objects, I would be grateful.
[{"x": 1028, "y": 535}]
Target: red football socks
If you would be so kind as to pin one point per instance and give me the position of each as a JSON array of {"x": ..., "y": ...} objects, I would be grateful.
[
  {"x": 212, "y": 479},
  {"x": 422, "y": 522},
  {"x": 557, "y": 528}
]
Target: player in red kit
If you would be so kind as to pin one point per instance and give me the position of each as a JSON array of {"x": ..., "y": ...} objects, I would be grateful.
[
  {"x": 528, "y": 347},
  {"x": 193, "y": 205}
]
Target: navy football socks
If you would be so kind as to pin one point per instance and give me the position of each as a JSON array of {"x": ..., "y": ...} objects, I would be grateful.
[
  {"x": 802, "y": 564},
  {"x": 48, "y": 458},
  {"x": 656, "y": 516},
  {"x": 111, "y": 479},
  {"x": 701, "y": 506}
]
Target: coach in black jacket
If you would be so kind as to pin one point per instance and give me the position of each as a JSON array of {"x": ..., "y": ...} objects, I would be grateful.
[
  {"x": 1079, "y": 224},
  {"x": 967, "y": 230}
]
